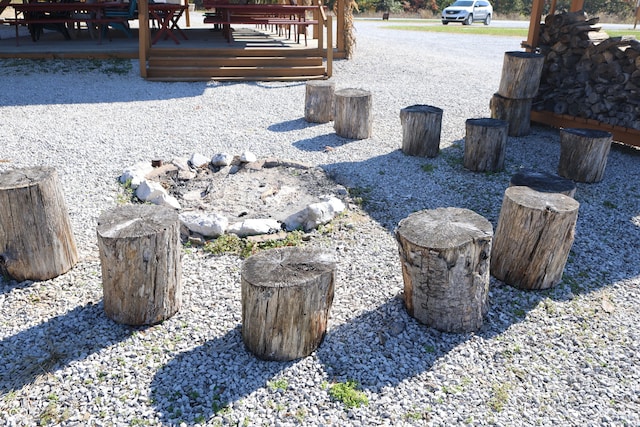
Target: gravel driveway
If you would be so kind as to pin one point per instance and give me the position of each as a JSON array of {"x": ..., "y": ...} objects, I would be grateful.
[{"x": 563, "y": 357}]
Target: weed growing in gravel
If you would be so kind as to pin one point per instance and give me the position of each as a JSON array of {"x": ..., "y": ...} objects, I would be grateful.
[
  {"x": 360, "y": 195},
  {"x": 127, "y": 195},
  {"x": 348, "y": 394},
  {"x": 500, "y": 396},
  {"x": 610, "y": 205},
  {"x": 232, "y": 244},
  {"x": 428, "y": 168},
  {"x": 279, "y": 384}
]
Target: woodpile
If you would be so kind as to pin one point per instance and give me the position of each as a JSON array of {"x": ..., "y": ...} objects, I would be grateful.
[{"x": 588, "y": 74}]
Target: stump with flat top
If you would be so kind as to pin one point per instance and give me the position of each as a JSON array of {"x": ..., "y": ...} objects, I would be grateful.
[
  {"x": 583, "y": 154},
  {"x": 318, "y": 103},
  {"x": 543, "y": 182},
  {"x": 353, "y": 117},
  {"x": 516, "y": 112},
  {"x": 286, "y": 297},
  {"x": 36, "y": 239},
  {"x": 485, "y": 144},
  {"x": 534, "y": 235},
  {"x": 445, "y": 267},
  {"x": 521, "y": 72},
  {"x": 140, "y": 259},
  {"x": 421, "y": 125}
]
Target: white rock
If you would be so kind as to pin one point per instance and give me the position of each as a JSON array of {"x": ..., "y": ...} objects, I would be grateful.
[
  {"x": 181, "y": 163},
  {"x": 254, "y": 227},
  {"x": 166, "y": 200},
  {"x": 248, "y": 157},
  {"x": 149, "y": 190},
  {"x": 136, "y": 173},
  {"x": 198, "y": 160},
  {"x": 322, "y": 212},
  {"x": 221, "y": 159},
  {"x": 209, "y": 224}
]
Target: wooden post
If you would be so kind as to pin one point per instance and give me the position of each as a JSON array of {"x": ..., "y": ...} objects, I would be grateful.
[
  {"x": 485, "y": 144},
  {"x": 286, "y": 297},
  {"x": 353, "y": 116},
  {"x": 144, "y": 36},
  {"x": 36, "y": 239},
  {"x": 445, "y": 267},
  {"x": 140, "y": 258},
  {"x": 534, "y": 235},
  {"x": 318, "y": 104},
  {"x": 521, "y": 72},
  {"x": 583, "y": 154},
  {"x": 517, "y": 112},
  {"x": 543, "y": 182},
  {"x": 421, "y": 125}
]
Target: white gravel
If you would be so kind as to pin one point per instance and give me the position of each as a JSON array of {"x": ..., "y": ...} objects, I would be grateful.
[{"x": 555, "y": 357}]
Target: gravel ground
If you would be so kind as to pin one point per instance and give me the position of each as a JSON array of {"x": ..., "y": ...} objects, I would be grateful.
[{"x": 565, "y": 356}]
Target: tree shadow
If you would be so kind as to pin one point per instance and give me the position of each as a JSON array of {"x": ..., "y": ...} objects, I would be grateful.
[
  {"x": 222, "y": 366},
  {"x": 291, "y": 125},
  {"x": 321, "y": 143},
  {"x": 55, "y": 343}
]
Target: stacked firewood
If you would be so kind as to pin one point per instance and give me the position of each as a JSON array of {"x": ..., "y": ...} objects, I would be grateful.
[{"x": 588, "y": 74}]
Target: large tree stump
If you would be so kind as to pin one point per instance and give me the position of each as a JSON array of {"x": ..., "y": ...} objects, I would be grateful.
[
  {"x": 583, "y": 154},
  {"x": 140, "y": 258},
  {"x": 485, "y": 144},
  {"x": 534, "y": 235},
  {"x": 286, "y": 297},
  {"x": 36, "y": 239},
  {"x": 421, "y": 125},
  {"x": 353, "y": 117},
  {"x": 521, "y": 72},
  {"x": 516, "y": 112},
  {"x": 543, "y": 182},
  {"x": 445, "y": 267},
  {"x": 318, "y": 103}
]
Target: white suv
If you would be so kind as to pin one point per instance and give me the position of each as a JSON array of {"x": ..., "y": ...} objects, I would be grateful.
[{"x": 467, "y": 11}]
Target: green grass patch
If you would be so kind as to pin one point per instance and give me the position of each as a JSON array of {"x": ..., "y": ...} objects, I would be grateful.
[
  {"x": 348, "y": 394},
  {"x": 485, "y": 30},
  {"x": 234, "y": 245}
]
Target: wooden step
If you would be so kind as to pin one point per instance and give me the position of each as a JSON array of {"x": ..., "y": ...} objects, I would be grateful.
[
  {"x": 234, "y": 61},
  {"x": 223, "y": 52},
  {"x": 257, "y": 73}
]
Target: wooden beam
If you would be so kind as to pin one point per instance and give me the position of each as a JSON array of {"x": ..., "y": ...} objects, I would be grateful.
[
  {"x": 534, "y": 26},
  {"x": 576, "y": 5},
  {"x": 144, "y": 36}
]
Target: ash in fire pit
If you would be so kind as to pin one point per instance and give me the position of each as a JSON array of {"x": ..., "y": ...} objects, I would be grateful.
[{"x": 242, "y": 197}]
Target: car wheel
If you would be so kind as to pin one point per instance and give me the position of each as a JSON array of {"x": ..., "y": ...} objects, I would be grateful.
[
  {"x": 487, "y": 20},
  {"x": 469, "y": 20},
  {"x": 445, "y": 22}
]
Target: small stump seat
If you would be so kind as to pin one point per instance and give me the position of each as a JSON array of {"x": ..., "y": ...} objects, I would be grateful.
[
  {"x": 319, "y": 101},
  {"x": 421, "y": 126},
  {"x": 353, "y": 117}
]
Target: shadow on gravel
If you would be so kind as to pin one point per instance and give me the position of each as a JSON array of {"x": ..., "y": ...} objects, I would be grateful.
[
  {"x": 321, "y": 143},
  {"x": 291, "y": 125},
  {"x": 222, "y": 367},
  {"x": 47, "y": 347}
]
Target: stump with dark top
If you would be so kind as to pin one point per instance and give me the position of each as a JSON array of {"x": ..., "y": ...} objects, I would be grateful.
[
  {"x": 534, "y": 235},
  {"x": 286, "y": 297},
  {"x": 353, "y": 117},
  {"x": 583, "y": 154},
  {"x": 36, "y": 239},
  {"x": 319, "y": 101},
  {"x": 543, "y": 182},
  {"x": 521, "y": 72},
  {"x": 421, "y": 125},
  {"x": 516, "y": 112},
  {"x": 445, "y": 267},
  {"x": 140, "y": 258},
  {"x": 485, "y": 144}
]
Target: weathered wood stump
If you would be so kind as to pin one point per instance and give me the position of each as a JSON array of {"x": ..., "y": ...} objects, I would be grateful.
[
  {"x": 286, "y": 297},
  {"x": 353, "y": 117},
  {"x": 445, "y": 267},
  {"x": 485, "y": 144},
  {"x": 534, "y": 235},
  {"x": 516, "y": 112},
  {"x": 36, "y": 239},
  {"x": 421, "y": 125},
  {"x": 521, "y": 72},
  {"x": 543, "y": 182},
  {"x": 140, "y": 259},
  {"x": 583, "y": 154},
  {"x": 319, "y": 101}
]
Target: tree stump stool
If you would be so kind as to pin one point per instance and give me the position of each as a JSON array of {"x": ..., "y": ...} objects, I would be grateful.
[
  {"x": 485, "y": 144},
  {"x": 583, "y": 154},
  {"x": 445, "y": 267},
  {"x": 318, "y": 103},
  {"x": 543, "y": 182},
  {"x": 521, "y": 72},
  {"x": 534, "y": 235},
  {"x": 140, "y": 258},
  {"x": 421, "y": 125},
  {"x": 286, "y": 297},
  {"x": 36, "y": 239},
  {"x": 353, "y": 116},
  {"x": 516, "y": 112}
]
